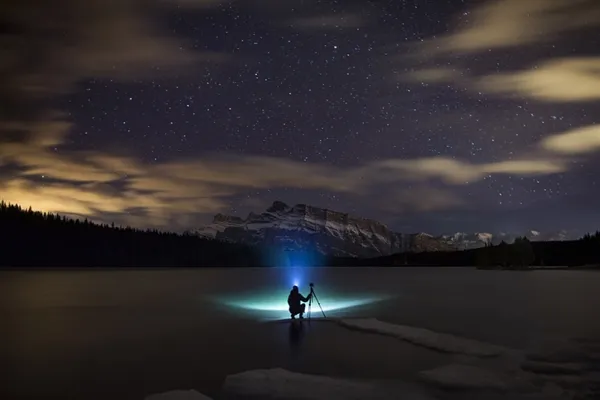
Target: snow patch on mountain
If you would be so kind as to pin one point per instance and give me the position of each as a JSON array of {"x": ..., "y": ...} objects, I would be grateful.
[{"x": 305, "y": 227}]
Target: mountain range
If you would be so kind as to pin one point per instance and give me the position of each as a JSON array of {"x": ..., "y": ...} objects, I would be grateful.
[{"x": 305, "y": 227}]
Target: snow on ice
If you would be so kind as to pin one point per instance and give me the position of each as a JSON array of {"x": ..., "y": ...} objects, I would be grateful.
[
  {"x": 457, "y": 376},
  {"x": 178, "y": 395},
  {"x": 279, "y": 383},
  {"x": 423, "y": 337}
]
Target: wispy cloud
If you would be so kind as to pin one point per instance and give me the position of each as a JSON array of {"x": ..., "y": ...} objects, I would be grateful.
[
  {"x": 420, "y": 199},
  {"x": 507, "y": 23},
  {"x": 96, "y": 184},
  {"x": 119, "y": 40},
  {"x": 455, "y": 172},
  {"x": 578, "y": 141},
  {"x": 433, "y": 75},
  {"x": 504, "y": 24},
  {"x": 573, "y": 79},
  {"x": 48, "y": 47}
]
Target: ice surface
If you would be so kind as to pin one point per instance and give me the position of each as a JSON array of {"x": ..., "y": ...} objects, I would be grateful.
[
  {"x": 426, "y": 338},
  {"x": 557, "y": 351},
  {"x": 458, "y": 376},
  {"x": 178, "y": 395},
  {"x": 541, "y": 367},
  {"x": 282, "y": 384}
]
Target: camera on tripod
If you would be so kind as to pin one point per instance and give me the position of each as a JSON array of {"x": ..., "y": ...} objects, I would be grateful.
[{"x": 310, "y": 300}]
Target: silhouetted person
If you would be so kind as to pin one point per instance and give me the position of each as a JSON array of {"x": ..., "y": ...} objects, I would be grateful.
[{"x": 294, "y": 300}]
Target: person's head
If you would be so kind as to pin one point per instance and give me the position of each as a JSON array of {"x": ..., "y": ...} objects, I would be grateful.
[{"x": 295, "y": 289}]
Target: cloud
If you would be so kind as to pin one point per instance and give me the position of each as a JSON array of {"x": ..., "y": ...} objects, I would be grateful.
[
  {"x": 421, "y": 199},
  {"x": 44, "y": 163},
  {"x": 99, "y": 184},
  {"x": 71, "y": 41},
  {"x": 328, "y": 21},
  {"x": 565, "y": 80},
  {"x": 508, "y": 23},
  {"x": 260, "y": 172},
  {"x": 578, "y": 141},
  {"x": 48, "y": 47},
  {"x": 96, "y": 184},
  {"x": 433, "y": 75},
  {"x": 455, "y": 172},
  {"x": 525, "y": 167},
  {"x": 70, "y": 198},
  {"x": 446, "y": 169},
  {"x": 195, "y": 3},
  {"x": 505, "y": 24}
]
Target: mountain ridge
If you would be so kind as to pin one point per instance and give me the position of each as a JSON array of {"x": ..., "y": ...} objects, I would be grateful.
[{"x": 330, "y": 232}]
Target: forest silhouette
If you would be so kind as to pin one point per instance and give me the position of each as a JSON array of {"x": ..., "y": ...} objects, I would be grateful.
[
  {"x": 38, "y": 239},
  {"x": 32, "y": 238},
  {"x": 523, "y": 254}
]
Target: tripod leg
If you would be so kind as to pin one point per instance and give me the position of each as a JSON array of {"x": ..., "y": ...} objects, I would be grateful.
[{"x": 319, "y": 303}]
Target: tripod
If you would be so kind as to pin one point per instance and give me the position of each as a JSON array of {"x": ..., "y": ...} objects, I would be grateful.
[{"x": 310, "y": 300}]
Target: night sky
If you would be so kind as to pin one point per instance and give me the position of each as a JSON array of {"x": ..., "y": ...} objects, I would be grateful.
[{"x": 437, "y": 116}]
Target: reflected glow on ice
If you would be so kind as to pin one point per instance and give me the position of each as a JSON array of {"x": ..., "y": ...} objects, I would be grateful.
[
  {"x": 279, "y": 306},
  {"x": 275, "y": 305},
  {"x": 271, "y": 303}
]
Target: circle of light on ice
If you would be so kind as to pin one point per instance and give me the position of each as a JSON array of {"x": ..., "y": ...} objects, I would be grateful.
[{"x": 277, "y": 307}]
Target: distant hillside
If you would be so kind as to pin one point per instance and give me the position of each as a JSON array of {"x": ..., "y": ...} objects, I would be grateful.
[
  {"x": 330, "y": 233},
  {"x": 337, "y": 234},
  {"x": 521, "y": 254},
  {"x": 35, "y": 239},
  {"x": 32, "y": 238}
]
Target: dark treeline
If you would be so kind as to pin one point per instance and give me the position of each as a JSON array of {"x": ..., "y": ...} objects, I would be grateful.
[
  {"x": 519, "y": 255},
  {"x": 35, "y": 239},
  {"x": 31, "y": 238}
]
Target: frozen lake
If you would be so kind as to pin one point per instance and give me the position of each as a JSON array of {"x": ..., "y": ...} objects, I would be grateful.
[{"x": 125, "y": 334}]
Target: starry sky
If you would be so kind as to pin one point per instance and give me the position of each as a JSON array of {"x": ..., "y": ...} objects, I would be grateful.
[{"x": 427, "y": 115}]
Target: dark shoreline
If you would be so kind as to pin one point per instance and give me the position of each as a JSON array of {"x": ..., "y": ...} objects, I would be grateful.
[
  {"x": 161, "y": 268},
  {"x": 34, "y": 240}
]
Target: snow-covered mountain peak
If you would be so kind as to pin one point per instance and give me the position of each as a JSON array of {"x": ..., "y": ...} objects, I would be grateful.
[
  {"x": 278, "y": 206},
  {"x": 303, "y": 226},
  {"x": 222, "y": 218},
  {"x": 484, "y": 236}
]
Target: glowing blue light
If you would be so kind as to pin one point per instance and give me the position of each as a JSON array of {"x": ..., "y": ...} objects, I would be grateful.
[
  {"x": 301, "y": 259},
  {"x": 274, "y": 307},
  {"x": 267, "y": 305},
  {"x": 294, "y": 277}
]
